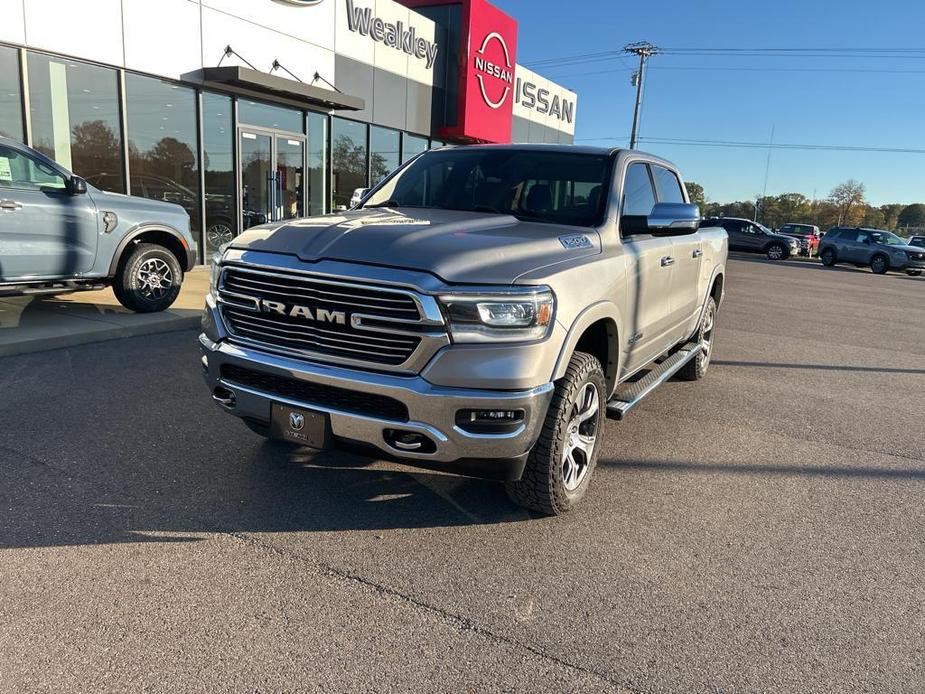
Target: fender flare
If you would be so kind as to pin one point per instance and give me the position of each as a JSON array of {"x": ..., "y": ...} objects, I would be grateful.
[
  {"x": 717, "y": 271},
  {"x": 592, "y": 314},
  {"x": 137, "y": 231}
]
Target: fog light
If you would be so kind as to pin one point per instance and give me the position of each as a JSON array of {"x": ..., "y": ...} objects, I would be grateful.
[{"x": 489, "y": 421}]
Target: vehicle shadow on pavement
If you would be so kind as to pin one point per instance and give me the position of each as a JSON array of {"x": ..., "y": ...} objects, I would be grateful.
[
  {"x": 816, "y": 367},
  {"x": 265, "y": 488},
  {"x": 673, "y": 466}
]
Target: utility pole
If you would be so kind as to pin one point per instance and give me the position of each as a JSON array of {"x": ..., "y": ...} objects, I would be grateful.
[{"x": 644, "y": 50}]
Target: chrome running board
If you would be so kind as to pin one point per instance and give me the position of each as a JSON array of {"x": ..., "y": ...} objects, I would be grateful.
[{"x": 625, "y": 400}]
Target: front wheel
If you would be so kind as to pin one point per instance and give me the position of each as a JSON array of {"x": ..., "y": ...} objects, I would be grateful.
[
  {"x": 776, "y": 252},
  {"x": 913, "y": 273},
  {"x": 560, "y": 466},
  {"x": 879, "y": 264},
  {"x": 148, "y": 280}
]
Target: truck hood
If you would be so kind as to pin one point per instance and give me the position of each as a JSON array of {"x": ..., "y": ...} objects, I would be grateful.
[{"x": 457, "y": 247}]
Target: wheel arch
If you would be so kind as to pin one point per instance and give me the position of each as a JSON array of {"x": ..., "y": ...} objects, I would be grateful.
[
  {"x": 597, "y": 332},
  {"x": 158, "y": 234}
]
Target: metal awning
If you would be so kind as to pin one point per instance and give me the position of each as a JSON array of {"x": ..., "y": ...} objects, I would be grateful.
[{"x": 274, "y": 85}]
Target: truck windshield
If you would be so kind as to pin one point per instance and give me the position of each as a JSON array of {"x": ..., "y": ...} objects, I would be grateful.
[{"x": 554, "y": 187}]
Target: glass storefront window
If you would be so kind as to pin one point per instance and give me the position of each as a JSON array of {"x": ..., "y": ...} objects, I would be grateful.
[
  {"x": 163, "y": 163},
  {"x": 411, "y": 146},
  {"x": 317, "y": 129},
  {"x": 75, "y": 118},
  {"x": 434, "y": 144},
  {"x": 218, "y": 162},
  {"x": 10, "y": 95},
  {"x": 348, "y": 158},
  {"x": 383, "y": 153},
  {"x": 267, "y": 116}
]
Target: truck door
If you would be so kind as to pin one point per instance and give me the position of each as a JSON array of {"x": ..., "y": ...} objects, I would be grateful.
[
  {"x": 648, "y": 316},
  {"x": 45, "y": 232},
  {"x": 686, "y": 256}
]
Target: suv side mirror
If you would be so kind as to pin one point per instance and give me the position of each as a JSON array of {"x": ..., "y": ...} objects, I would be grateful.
[
  {"x": 76, "y": 185},
  {"x": 666, "y": 219}
]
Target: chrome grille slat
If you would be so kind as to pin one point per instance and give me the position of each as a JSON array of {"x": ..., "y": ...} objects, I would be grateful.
[
  {"x": 263, "y": 282},
  {"x": 315, "y": 345},
  {"x": 249, "y": 315},
  {"x": 341, "y": 340},
  {"x": 238, "y": 286}
]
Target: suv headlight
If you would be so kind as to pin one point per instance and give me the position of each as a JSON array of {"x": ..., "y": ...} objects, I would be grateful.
[{"x": 503, "y": 316}]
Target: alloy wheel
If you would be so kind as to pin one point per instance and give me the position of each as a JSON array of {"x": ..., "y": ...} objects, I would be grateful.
[
  {"x": 154, "y": 278},
  {"x": 775, "y": 252},
  {"x": 706, "y": 337},
  {"x": 217, "y": 235},
  {"x": 581, "y": 436}
]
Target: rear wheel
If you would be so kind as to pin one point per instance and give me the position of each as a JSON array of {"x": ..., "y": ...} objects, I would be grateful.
[
  {"x": 879, "y": 264},
  {"x": 776, "y": 252},
  {"x": 828, "y": 257},
  {"x": 697, "y": 367},
  {"x": 560, "y": 466},
  {"x": 149, "y": 279}
]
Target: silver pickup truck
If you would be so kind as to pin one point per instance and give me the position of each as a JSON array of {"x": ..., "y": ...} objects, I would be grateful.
[{"x": 482, "y": 311}]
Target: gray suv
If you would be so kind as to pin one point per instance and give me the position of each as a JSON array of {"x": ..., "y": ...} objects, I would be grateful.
[
  {"x": 59, "y": 234},
  {"x": 750, "y": 237},
  {"x": 881, "y": 250}
]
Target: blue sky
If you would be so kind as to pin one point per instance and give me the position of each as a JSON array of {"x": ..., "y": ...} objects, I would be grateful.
[{"x": 843, "y": 101}]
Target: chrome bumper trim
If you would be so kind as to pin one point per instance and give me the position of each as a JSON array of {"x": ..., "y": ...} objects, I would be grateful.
[{"x": 432, "y": 409}]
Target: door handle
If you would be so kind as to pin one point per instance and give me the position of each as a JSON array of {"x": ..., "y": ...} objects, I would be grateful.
[
  {"x": 667, "y": 261},
  {"x": 697, "y": 253},
  {"x": 10, "y": 205}
]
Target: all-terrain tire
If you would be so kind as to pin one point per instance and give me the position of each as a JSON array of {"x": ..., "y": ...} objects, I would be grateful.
[
  {"x": 697, "y": 367},
  {"x": 148, "y": 279},
  {"x": 542, "y": 487}
]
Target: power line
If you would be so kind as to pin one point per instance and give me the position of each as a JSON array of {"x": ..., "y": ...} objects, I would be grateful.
[
  {"x": 716, "y": 68},
  {"x": 759, "y": 145}
]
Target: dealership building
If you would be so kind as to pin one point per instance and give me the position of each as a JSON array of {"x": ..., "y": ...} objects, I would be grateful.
[{"x": 247, "y": 111}]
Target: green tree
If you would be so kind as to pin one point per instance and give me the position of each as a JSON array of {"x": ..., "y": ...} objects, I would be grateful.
[
  {"x": 848, "y": 197},
  {"x": 695, "y": 193},
  {"x": 912, "y": 216},
  {"x": 874, "y": 218},
  {"x": 891, "y": 215}
]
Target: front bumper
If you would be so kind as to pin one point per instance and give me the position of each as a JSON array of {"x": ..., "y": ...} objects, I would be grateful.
[{"x": 432, "y": 410}]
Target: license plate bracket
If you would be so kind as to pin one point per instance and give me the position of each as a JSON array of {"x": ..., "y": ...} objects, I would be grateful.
[{"x": 301, "y": 426}]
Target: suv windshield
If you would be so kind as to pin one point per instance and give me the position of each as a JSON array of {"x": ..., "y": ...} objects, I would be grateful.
[{"x": 553, "y": 187}]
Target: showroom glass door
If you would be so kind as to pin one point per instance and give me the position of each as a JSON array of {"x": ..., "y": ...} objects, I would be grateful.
[
  {"x": 256, "y": 178},
  {"x": 272, "y": 176}
]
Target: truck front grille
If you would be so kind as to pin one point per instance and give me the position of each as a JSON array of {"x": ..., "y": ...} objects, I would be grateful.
[
  {"x": 315, "y": 317},
  {"x": 330, "y": 397}
]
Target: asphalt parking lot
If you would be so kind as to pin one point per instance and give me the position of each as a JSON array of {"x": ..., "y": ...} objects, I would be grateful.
[{"x": 762, "y": 530}]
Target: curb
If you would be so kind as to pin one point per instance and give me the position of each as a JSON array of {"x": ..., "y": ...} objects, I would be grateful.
[{"x": 116, "y": 332}]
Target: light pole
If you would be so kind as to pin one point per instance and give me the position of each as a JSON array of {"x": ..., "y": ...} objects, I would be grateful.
[{"x": 644, "y": 50}]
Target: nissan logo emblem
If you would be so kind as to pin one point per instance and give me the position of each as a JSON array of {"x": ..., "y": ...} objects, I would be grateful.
[{"x": 486, "y": 68}]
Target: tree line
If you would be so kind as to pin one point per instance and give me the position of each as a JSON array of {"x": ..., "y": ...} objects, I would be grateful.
[{"x": 846, "y": 205}]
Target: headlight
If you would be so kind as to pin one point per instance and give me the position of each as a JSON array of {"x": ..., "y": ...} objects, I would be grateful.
[
  {"x": 215, "y": 268},
  {"x": 515, "y": 316}
]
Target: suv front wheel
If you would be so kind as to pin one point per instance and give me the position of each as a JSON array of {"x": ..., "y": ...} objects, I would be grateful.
[
  {"x": 776, "y": 251},
  {"x": 149, "y": 279},
  {"x": 561, "y": 463},
  {"x": 879, "y": 264}
]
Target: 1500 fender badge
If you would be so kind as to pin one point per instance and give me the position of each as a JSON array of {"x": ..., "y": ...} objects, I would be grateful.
[{"x": 573, "y": 241}]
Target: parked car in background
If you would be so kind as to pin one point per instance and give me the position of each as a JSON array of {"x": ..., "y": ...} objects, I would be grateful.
[
  {"x": 881, "y": 250},
  {"x": 357, "y": 196},
  {"x": 917, "y": 241},
  {"x": 807, "y": 234},
  {"x": 59, "y": 234},
  {"x": 751, "y": 237}
]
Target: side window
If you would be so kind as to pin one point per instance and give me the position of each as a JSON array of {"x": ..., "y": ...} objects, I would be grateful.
[
  {"x": 669, "y": 187},
  {"x": 862, "y": 237},
  {"x": 638, "y": 195},
  {"x": 18, "y": 170}
]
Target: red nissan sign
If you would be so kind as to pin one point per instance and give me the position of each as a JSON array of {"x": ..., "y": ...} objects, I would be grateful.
[{"x": 488, "y": 54}]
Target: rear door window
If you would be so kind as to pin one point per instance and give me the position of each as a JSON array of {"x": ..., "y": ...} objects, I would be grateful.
[{"x": 668, "y": 185}]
